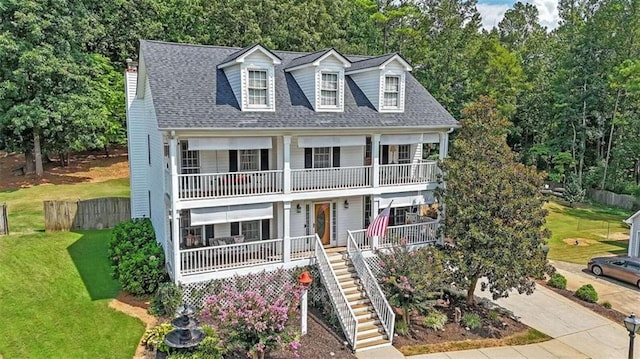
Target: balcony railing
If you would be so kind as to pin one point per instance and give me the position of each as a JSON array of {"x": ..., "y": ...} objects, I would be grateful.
[
  {"x": 410, "y": 173},
  {"x": 231, "y": 184},
  {"x": 417, "y": 233},
  {"x": 317, "y": 179},
  {"x": 303, "y": 247}
]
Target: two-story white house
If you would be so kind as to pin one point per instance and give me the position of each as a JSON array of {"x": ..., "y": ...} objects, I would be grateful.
[{"x": 252, "y": 159}]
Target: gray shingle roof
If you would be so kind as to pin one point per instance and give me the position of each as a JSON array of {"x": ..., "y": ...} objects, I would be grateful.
[
  {"x": 371, "y": 62},
  {"x": 190, "y": 92},
  {"x": 241, "y": 52}
]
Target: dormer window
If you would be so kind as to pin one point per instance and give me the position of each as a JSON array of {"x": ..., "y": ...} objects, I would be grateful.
[
  {"x": 329, "y": 90},
  {"x": 257, "y": 88},
  {"x": 391, "y": 91}
]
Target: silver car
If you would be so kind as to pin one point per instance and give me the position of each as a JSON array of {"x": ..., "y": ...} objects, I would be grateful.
[{"x": 626, "y": 269}]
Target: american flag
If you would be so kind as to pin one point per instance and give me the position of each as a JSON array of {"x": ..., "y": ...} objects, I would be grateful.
[{"x": 379, "y": 225}]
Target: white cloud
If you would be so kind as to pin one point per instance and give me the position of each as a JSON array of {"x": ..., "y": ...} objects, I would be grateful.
[{"x": 493, "y": 13}]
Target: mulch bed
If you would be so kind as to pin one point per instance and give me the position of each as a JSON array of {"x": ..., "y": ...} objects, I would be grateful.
[
  {"x": 610, "y": 314},
  {"x": 503, "y": 326},
  {"x": 132, "y": 300}
]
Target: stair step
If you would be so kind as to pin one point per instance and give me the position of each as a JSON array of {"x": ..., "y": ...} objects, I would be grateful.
[
  {"x": 360, "y": 307},
  {"x": 354, "y": 302},
  {"x": 353, "y": 292},
  {"x": 368, "y": 319},
  {"x": 372, "y": 343},
  {"x": 369, "y": 335},
  {"x": 368, "y": 327}
]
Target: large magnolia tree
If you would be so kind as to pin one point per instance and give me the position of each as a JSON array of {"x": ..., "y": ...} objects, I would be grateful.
[{"x": 494, "y": 208}]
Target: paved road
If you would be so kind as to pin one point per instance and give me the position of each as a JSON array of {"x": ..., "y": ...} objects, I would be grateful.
[{"x": 623, "y": 297}]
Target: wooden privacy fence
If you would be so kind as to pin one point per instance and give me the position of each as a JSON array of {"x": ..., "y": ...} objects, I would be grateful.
[
  {"x": 4, "y": 220},
  {"x": 95, "y": 213},
  {"x": 613, "y": 199}
]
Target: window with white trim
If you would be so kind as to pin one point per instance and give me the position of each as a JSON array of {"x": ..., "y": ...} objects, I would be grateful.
[
  {"x": 403, "y": 154},
  {"x": 249, "y": 160},
  {"x": 257, "y": 88},
  {"x": 251, "y": 230},
  {"x": 189, "y": 159},
  {"x": 391, "y": 91},
  {"x": 321, "y": 157},
  {"x": 329, "y": 89}
]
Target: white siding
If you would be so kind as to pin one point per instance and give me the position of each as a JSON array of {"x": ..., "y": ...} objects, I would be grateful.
[
  {"x": 233, "y": 76},
  {"x": 297, "y": 228},
  {"x": 137, "y": 143},
  {"x": 350, "y": 219},
  {"x": 306, "y": 80},
  {"x": 297, "y": 155},
  {"x": 369, "y": 83},
  {"x": 351, "y": 156}
]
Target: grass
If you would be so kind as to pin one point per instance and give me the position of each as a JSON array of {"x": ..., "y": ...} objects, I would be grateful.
[
  {"x": 593, "y": 226},
  {"x": 25, "y": 205},
  {"x": 530, "y": 336},
  {"x": 54, "y": 290}
]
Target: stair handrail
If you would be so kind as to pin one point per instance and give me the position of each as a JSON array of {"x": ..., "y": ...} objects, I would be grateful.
[
  {"x": 372, "y": 287},
  {"x": 348, "y": 320}
]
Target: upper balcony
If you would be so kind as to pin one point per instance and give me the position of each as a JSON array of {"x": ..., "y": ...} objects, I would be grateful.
[{"x": 290, "y": 168}]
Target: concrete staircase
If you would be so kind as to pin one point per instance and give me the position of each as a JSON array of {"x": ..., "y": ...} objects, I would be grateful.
[{"x": 371, "y": 334}]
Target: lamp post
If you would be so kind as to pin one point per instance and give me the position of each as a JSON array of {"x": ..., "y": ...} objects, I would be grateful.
[
  {"x": 305, "y": 280},
  {"x": 632, "y": 324}
]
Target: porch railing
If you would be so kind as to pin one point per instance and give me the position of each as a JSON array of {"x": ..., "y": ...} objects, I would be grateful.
[
  {"x": 348, "y": 320},
  {"x": 409, "y": 173},
  {"x": 303, "y": 247},
  {"x": 370, "y": 283},
  {"x": 416, "y": 233},
  {"x": 230, "y": 184},
  {"x": 316, "y": 179},
  {"x": 216, "y": 258}
]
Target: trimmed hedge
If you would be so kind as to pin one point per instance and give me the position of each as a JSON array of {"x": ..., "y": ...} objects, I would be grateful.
[
  {"x": 557, "y": 281},
  {"x": 137, "y": 260},
  {"x": 587, "y": 293}
]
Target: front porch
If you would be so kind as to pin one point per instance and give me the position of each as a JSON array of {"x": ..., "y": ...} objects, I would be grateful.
[{"x": 225, "y": 259}]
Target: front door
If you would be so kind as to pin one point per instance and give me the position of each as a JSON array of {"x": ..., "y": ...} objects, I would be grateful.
[{"x": 322, "y": 219}]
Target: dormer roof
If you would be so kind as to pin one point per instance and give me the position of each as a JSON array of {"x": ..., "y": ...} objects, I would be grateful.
[
  {"x": 239, "y": 56},
  {"x": 314, "y": 59},
  {"x": 191, "y": 92},
  {"x": 378, "y": 62}
]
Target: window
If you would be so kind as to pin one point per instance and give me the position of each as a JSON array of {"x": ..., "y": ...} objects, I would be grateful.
[
  {"x": 367, "y": 211},
  {"x": 391, "y": 91},
  {"x": 398, "y": 215},
  {"x": 403, "y": 154},
  {"x": 189, "y": 160},
  {"x": 322, "y": 157},
  {"x": 251, "y": 231},
  {"x": 257, "y": 93},
  {"x": 249, "y": 160},
  {"x": 329, "y": 89},
  {"x": 191, "y": 236}
]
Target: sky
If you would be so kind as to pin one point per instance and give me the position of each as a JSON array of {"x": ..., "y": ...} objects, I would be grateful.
[{"x": 492, "y": 11}]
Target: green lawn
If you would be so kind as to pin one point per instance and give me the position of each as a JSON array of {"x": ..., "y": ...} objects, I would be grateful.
[
  {"x": 25, "y": 205},
  {"x": 54, "y": 291},
  {"x": 597, "y": 229}
]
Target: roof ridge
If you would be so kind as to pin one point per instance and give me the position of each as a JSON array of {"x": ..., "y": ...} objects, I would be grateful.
[{"x": 391, "y": 54}]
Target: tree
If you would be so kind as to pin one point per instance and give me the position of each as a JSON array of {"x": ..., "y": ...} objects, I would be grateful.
[{"x": 494, "y": 211}]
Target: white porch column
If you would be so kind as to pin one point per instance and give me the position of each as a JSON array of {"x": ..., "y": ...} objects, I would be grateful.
[
  {"x": 375, "y": 160},
  {"x": 175, "y": 216},
  {"x": 375, "y": 208},
  {"x": 286, "y": 219},
  {"x": 444, "y": 143},
  {"x": 287, "y": 166}
]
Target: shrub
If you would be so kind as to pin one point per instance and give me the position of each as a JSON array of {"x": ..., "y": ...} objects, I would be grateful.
[
  {"x": 401, "y": 328},
  {"x": 167, "y": 298},
  {"x": 256, "y": 319},
  {"x": 557, "y": 281},
  {"x": 412, "y": 280},
  {"x": 472, "y": 321},
  {"x": 607, "y": 304},
  {"x": 137, "y": 259},
  {"x": 587, "y": 293},
  {"x": 493, "y": 315},
  {"x": 154, "y": 338},
  {"x": 435, "y": 320}
]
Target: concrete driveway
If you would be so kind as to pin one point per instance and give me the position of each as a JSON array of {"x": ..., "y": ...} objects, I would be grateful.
[{"x": 623, "y": 297}]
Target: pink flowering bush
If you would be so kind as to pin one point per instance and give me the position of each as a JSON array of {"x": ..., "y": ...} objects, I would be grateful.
[
  {"x": 411, "y": 279},
  {"x": 258, "y": 319}
]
